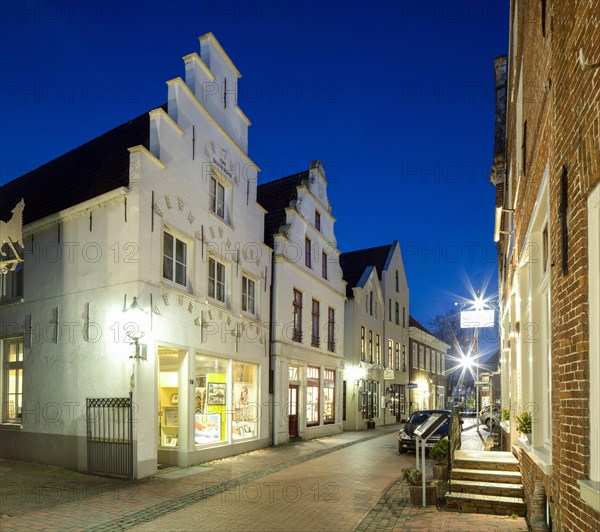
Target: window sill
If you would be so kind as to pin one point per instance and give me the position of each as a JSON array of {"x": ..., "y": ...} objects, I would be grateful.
[
  {"x": 10, "y": 426},
  {"x": 541, "y": 457},
  {"x": 7, "y": 302},
  {"x": 222, "y": 220},
  {"x": 589, "y": 491}
]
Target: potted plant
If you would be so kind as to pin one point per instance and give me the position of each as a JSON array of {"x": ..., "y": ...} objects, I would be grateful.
[
  {"x": 523, "y": 421},
  {"x": 370, "y": 423},
  {"x": 439, "y": 453},
  {"x": 506, "y": 414},
  {"x": 414, "y": 478}
]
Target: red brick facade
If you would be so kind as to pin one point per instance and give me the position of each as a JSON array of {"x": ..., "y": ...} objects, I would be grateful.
[{"x": 553, "y": 129}]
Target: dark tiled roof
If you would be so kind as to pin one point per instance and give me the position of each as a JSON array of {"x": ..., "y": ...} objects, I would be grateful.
[
  {"x": 414, "y": 323},
  {"x": 354, "y": 263},
  {"x": 92, "y": 169},
  {"x": 275, "y": 196}
]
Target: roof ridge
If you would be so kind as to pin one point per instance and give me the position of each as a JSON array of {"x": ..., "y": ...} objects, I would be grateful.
[{"x": 281, "y": 179}]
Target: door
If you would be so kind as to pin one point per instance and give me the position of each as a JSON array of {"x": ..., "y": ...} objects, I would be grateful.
[{"x": 293, "y": 410}]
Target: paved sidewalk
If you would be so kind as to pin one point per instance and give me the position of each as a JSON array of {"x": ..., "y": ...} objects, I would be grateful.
[{"x": 181, "y": 499}]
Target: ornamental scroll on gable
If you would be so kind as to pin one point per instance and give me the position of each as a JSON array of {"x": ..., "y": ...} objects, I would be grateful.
[{"x": 11, "y": 233}]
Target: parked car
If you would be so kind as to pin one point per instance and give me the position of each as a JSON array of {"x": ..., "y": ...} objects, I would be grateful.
[
  {"x": 407, "y": 441},
  {"x": 487, "y": 418}
]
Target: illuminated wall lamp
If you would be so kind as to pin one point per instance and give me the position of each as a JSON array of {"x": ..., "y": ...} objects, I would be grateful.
[{"x": 133, "y": 329}]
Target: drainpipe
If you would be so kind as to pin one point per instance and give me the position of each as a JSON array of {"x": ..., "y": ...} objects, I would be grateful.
[{"x": 270, "y": 350}]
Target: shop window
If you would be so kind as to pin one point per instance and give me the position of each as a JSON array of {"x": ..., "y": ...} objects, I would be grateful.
[
  {"x": 313, "y": 385},
  {"x": 244, "y": 424},
  {"x": 168, "y": 396},
  {"x": 369, "y": 399},
  {"x": 248, "y": 295},
  {"x": 329, "y": 396},
  {"x": 210, "y": 400},
  {"x": 315, "y": 326},
  {"x": 13, "y": 380},
  {"x": 216, "y": 280},
  {"x": 174, "y": 259},
  {"x": 297, "y": 333}
]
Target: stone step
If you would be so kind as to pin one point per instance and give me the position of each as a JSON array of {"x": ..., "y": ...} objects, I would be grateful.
[
  {"x": 485, "y": 504},
  {"x": 490, "y": 460},
  {"x": 487, "y": 488},
  {"x": 481, "y": 475}
]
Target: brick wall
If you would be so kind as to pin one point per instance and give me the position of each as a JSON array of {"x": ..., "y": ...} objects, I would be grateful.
[{"x": 561, "y": 104}]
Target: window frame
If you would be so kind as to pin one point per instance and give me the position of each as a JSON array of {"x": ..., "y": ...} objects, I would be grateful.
[
  {"x": 308, "y": 252},
  {"x": 215, "y": 186},
  {"x": 7, "y": 367},
  {"x": 173, "y": 257},
  {"x": 214, "y": 282},
  {"x": 315, "y": 336},
  {"x": 363, "y": 343},
  {"x": 246, "y": 296},
  {"x": 317, "y": 220},
  {"x": 324, "y": 265},
  {"x": 297, "y": 316},
  {"x": 331, "y": 330}
]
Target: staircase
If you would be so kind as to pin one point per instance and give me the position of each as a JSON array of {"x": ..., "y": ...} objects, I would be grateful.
[{"x": 486, "y": 482}]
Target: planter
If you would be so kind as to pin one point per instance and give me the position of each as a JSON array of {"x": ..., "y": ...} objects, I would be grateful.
[
  {"x": 440, "y": 471},
  {"x": 528, "y": 436},
  {"x": 416, "y": 494},
  {"x": 370, "y": 424}
]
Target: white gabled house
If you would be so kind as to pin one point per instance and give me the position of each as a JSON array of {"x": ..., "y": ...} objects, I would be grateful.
[
  {"x": 307, "y": 314},
  {"x": 376, "y": 336},
  {"x": 161, "y": 209}
]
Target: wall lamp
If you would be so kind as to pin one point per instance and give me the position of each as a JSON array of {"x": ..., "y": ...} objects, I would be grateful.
[
  {"x": 498, "y": 222},
  {"x": 134, "y": 328}
]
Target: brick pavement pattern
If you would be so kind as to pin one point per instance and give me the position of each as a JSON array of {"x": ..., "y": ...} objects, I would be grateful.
[{"x": 345, "y": 482}]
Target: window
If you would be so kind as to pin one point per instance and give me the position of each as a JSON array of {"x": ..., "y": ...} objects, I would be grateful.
[
  {"x": 427, "y": 366},
  {"x": 217, "y": 198},
  {"x": 313, "y": 384},
  {"x": 370, "y": 346},
  {"x": 317, "y": 220},
  {"x": 403, "y": 316},
  {"x": 329, "y": 396},
  {"x": 371, "y": 302},
  {"x": 13, "y": 380},
  {"x": 174, "y": 259},
  {"x": 297, "y": 333},
  {"x": 415, "y": 364},
  {"x": 362, "y": 344},
  {"x": 390, "y": 358},
  {"x": 421, "y": 357},
  {"x": 397, "y": 357},
  {"x": 397, "y": 313},
  {"x": 369, "y": 399},
  {"x": 331, "y": 330},
  {"x": 324, "y": 265},
  {"x": 216, "y": 280},
  {"x": 403, "y": 358},
  {"x": 397, "y": 281},
  {"x": 11, "y": 283},
  {"x": 248, "y": 295},
  {"x": 439, "y": 363},
  {"x": 314, "y": 338},
  {"x": 390, "y": 309},
  {"x": 307, "y": 252},
  {"x": 377, "y": 350}
]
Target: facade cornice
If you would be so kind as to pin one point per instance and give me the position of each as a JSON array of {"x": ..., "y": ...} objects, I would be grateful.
[
  {"x": 162, "y": 114},
  {"x": 144, "y": 151}
]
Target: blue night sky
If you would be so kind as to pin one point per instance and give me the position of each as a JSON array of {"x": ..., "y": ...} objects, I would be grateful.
[{"x": 396, "y": 98}]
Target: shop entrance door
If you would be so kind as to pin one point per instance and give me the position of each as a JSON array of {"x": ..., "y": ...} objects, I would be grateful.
[{"x": 293, "y": 410}]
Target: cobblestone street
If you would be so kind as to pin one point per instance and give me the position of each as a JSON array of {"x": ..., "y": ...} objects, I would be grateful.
[{"x": 346, "y": 482}]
